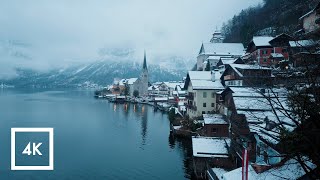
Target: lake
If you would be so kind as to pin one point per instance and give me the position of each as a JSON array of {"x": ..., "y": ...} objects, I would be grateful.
[{"x": 93, "y": 139}]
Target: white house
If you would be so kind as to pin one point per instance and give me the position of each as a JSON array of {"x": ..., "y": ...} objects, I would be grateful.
[{"x": 202, "y": 87}]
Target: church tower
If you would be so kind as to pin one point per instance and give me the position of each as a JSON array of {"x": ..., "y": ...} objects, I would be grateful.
[
  {"x": 217, "y": 37},
  {"x": 144, "y": 78}
]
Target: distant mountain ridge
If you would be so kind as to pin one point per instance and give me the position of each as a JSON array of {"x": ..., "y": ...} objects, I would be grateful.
[
  {"x": 17, "y": 58},
  {"x": 100, "y": 72}
]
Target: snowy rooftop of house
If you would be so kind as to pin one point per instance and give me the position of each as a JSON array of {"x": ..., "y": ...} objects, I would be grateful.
[
  {"x": 173, "y": 84},
  {"x": 290, "y": 170},
  {"x": 302, "y": 43},
  {"x": 227, "y": 61},
  {"x": 214, "y": 119},
  {"x": 200, "y": 75},
  {"x": 206, "y": 84},
  {"x": 258, "y": 110},
  {"x": 262, "y": 40},
  {"x": 277, "y": 55},
  {"x": 218, "y": 171},
  {"x": 132, "y": 80},
  {"x": 161, "y": 98},
  {"x": 150, "y": 88},
  {"x": 208, "y": 147},
  {"x": 236, "y": 49},
  {"x": 216, "y": 57}
]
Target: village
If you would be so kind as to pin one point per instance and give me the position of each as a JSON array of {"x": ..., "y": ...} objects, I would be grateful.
[{"x": 233, "y": 103}]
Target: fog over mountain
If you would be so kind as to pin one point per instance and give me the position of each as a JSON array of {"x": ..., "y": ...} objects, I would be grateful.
[{"x": 48, "y": 35}]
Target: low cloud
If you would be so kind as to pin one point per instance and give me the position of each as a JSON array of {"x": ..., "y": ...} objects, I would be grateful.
[{"x": 63, "y": 32}]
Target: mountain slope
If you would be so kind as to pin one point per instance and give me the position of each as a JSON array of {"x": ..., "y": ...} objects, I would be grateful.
[
  {"x": 271, "y": 18},
  {"x": 99, "y": 72}
]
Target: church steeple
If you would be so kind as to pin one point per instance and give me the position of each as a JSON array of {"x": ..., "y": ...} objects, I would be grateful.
[{"x": 145, "y": 61}]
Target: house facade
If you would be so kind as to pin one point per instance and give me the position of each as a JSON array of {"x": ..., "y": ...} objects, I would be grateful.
[
  {"x": 261, "y": 52},
  {"x": 201, "y": 92},
  {"x": 246, "y": 75},
  {"x": 215, "y": 125}
]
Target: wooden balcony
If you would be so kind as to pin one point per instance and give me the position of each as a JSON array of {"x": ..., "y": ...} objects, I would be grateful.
[{"x": 190, "y": 96}]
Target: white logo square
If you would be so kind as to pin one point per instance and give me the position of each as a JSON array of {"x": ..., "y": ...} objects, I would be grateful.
[{"x": 13, "y": 148}]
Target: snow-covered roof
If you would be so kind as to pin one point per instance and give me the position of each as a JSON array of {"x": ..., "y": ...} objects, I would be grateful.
[
  {"x": 200, "y": 75},
  {"x": 218, "y": 172},
  {"x": 214, "y": 119},
  {"x": 173, "y": 85},
  {"x": 132, "y": 80},
  {"x": 161, "y": 98},
  {"x": 302, "y": 43},
  {"x": 209, "y": 147},
  {"x": 215, "y": 57},
  {"x": 153, "y": 88},
  {"x": 206, "y": 84},
  {"x": 262, "y": 40},
  {"x": 277, "y": 55},
  {"x": 289, "y": 170},
  {"x": 227, "y": 61},
  {"x": 258, "y": 110},
  {"x": 236, "y": 49}
]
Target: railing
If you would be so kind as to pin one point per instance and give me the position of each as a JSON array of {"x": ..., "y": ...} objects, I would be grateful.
[
  {"x": 192, "y": 107},
  {"x": 190, "y": 96}
]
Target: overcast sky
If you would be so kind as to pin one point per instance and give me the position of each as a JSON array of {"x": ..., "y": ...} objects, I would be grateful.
[{"x": 58, "y": 31}]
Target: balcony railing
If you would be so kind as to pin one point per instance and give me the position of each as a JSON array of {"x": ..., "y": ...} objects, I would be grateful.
[
  {"x": 194, "y": 108},
  {"x": 190, "y": 96}
]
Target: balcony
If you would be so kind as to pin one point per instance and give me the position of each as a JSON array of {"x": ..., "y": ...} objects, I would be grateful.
[
  {"x": 194, "y": 108},
  {"x": 190, "y": 96}
]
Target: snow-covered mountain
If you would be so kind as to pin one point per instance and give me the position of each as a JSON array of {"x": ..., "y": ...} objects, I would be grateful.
[
  {"x": 113, "y": 63},
  {"x": 100, "y": 72}
]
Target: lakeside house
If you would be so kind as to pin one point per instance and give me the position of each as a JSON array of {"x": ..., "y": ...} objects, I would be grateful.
[{"x": 202, "y": 87}]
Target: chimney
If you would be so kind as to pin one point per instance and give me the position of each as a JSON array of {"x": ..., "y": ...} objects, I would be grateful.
[{"x": 215, "y": 75}]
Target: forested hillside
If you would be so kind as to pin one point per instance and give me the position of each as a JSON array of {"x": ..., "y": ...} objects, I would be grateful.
[{"x": 270, "y": 18}]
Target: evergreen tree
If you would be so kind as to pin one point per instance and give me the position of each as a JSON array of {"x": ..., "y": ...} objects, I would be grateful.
[{"x": 208, "y": 68}]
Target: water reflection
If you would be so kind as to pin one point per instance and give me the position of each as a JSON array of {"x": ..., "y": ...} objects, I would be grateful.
[
  {"x": 144, "y": 125},
  {"x": 185, "y": 145}
]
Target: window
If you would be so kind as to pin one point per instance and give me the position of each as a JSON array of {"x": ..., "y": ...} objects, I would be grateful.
[
  {"x": 264, "y": 59},
  {"x": 204, "y": 94},
  {"x": 203, "y": 112},
  {"x": 272, "y": 51},
  {"x": 204, "y": 104},
  {"x": 264, "y": 51},
  {"x": 284, "y": 50},
  {"x": 213, "y": 95},
  {"x": 212, "y": 104},
  {"x": 214, "y": 130}
]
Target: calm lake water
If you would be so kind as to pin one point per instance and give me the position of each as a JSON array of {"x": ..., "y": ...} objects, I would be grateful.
[{"x": 93, "y": 139}]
